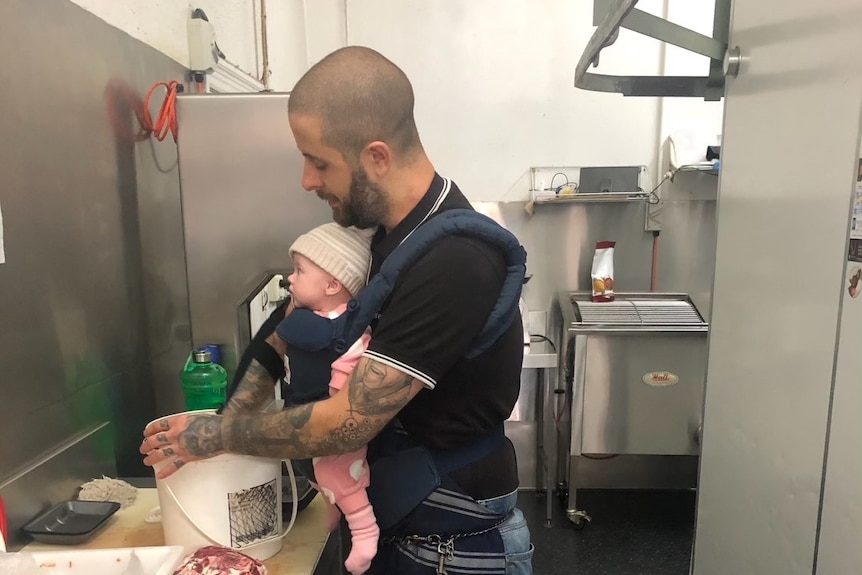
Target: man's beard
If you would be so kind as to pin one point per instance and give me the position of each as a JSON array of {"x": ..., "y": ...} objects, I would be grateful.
[{"x": 365, "y": 206}]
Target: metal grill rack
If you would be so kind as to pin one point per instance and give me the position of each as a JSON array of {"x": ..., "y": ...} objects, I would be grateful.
[{"x": 638, "y": 312}]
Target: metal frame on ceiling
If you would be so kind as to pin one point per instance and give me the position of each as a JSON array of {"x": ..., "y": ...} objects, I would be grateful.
[{"x": 611, "y": 15}]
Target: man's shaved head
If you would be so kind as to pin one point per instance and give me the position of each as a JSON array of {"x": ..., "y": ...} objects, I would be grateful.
[{"x": 361, "y": 97}]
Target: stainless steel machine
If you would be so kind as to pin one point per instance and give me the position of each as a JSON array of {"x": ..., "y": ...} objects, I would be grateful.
[
  {"x": 634, "y": 372},
  {"x": 242, "y": 207}
]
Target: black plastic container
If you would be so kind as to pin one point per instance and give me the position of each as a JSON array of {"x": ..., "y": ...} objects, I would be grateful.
[{"x": 71, "y": 522}]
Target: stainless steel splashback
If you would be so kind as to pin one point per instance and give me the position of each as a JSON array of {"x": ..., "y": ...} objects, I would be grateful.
[
  {"x": 242, "y": 206},
  {"x": 560, "y": 240},
  {"x": 73, "y": 319}
]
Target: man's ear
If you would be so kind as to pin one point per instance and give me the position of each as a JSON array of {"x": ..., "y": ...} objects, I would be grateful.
[
  {"x": 333, "y": 286},
  {"x": 376, "y": 158}
]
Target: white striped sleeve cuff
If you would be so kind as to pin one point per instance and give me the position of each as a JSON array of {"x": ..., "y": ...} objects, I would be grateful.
[{"x": 429, "y": 382}]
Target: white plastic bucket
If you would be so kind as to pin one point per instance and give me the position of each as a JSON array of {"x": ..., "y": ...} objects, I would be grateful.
[{"x": 228, "y": 500}]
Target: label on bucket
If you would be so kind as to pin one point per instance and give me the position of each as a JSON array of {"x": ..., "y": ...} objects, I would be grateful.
[{"x": 253, "y": 514}]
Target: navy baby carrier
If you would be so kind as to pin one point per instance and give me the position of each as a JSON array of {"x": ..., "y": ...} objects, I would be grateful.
[
  {"x": 428, "y": 524},
  {"x": 308, "y": 331}
]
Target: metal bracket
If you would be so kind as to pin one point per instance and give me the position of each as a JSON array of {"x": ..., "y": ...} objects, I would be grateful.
[{"x": 611, "y": 15}]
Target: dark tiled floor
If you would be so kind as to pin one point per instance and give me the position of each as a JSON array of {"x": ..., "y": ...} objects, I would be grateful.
[{"x": 631, "y": 533}]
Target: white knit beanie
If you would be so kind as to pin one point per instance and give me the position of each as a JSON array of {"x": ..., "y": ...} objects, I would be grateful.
[{"x": 343, "y": 252}]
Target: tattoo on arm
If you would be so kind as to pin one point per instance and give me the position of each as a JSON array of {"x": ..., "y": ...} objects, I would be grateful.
[
  {"x": 377, "y": 389},
  {"x": 253, "y": 390},
  {"x": 374, "y": 395},
  {"x": 281, "y": 435}
]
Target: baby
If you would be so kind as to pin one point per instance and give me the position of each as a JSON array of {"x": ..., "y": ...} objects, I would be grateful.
[{"x": 330, "y": 267}]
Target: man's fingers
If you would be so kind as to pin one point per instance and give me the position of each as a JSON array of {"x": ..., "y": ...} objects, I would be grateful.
[
  {"x": 161, "y": 445},
  {"x": 157, "y": 427},
  {"x": 170, "y": 468},
  {"x": 164, "y": 456},
  {"x": 153, "y": 442},
  {"x": 154, "y": 456}
]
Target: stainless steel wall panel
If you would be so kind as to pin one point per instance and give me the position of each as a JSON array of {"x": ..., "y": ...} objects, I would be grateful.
[
  {"x": 560, "y": 240},
  {"x": 686, "y": 254},
  {"x": 242, "y": 205},
  {"x": 55, "y": 475},
  {"x": 73, "y": 340}
]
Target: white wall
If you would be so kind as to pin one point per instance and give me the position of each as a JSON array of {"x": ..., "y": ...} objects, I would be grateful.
[
  {"x": 494, "y": 86},
  {"x": 691, "y": 121},
  {"x": 287, "y": 39},
  {"x": 162, "y": 25},
  {"x": 495, "y": 92},
  {"x": 326, "y": 27}
]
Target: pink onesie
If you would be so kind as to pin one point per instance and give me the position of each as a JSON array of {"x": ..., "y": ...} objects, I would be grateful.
[{"x": 342, "y": 478}]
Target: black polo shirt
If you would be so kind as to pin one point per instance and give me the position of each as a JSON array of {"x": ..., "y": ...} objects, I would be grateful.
[{"x": 433, "y": 316}]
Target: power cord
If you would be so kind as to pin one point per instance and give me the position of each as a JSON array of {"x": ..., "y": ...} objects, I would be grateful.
[
  {"x": 538, "y": 337},
  {"x": 166, "y": 120},
  {"x": 707, "y": 169},
  {"x": 572, "y": 186}
]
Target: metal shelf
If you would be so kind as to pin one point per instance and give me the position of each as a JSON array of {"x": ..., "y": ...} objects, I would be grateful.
[{"x": 600, "y": 197}]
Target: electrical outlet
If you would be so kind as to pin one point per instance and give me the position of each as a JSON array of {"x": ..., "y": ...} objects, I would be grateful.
[{"x": 274, "y": 291}]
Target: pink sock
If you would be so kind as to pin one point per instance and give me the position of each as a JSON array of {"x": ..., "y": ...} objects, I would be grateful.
[{"x": 364, "y": 533}]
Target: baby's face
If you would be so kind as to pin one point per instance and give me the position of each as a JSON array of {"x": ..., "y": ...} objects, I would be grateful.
[{"x": 308, "y": 282}]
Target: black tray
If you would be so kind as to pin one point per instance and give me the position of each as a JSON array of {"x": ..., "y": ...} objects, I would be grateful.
[{"x": 71, "y": 522}]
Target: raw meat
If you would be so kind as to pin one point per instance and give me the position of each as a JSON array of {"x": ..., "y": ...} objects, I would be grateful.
[{"x": 214, "y": 560}]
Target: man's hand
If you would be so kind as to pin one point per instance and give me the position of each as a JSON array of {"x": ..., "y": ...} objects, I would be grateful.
[{"x": 171, "y": 442}]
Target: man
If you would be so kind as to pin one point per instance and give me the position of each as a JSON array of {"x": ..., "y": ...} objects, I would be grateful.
[{"x": 352, "y": 118}]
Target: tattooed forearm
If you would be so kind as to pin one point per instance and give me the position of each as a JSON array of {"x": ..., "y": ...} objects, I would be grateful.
[
  {"x": 284, "y": 435},
  {"x": 255, "y": 388},
  {"x": 373, "y": 396},
  {"x": 377, "y": 389}
]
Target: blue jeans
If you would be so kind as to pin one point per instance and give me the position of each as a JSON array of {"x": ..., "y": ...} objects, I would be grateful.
[{"x": 515, "y": 534}]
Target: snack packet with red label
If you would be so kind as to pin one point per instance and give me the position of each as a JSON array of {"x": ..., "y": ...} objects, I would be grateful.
[{"x": 603, "y": 272}]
